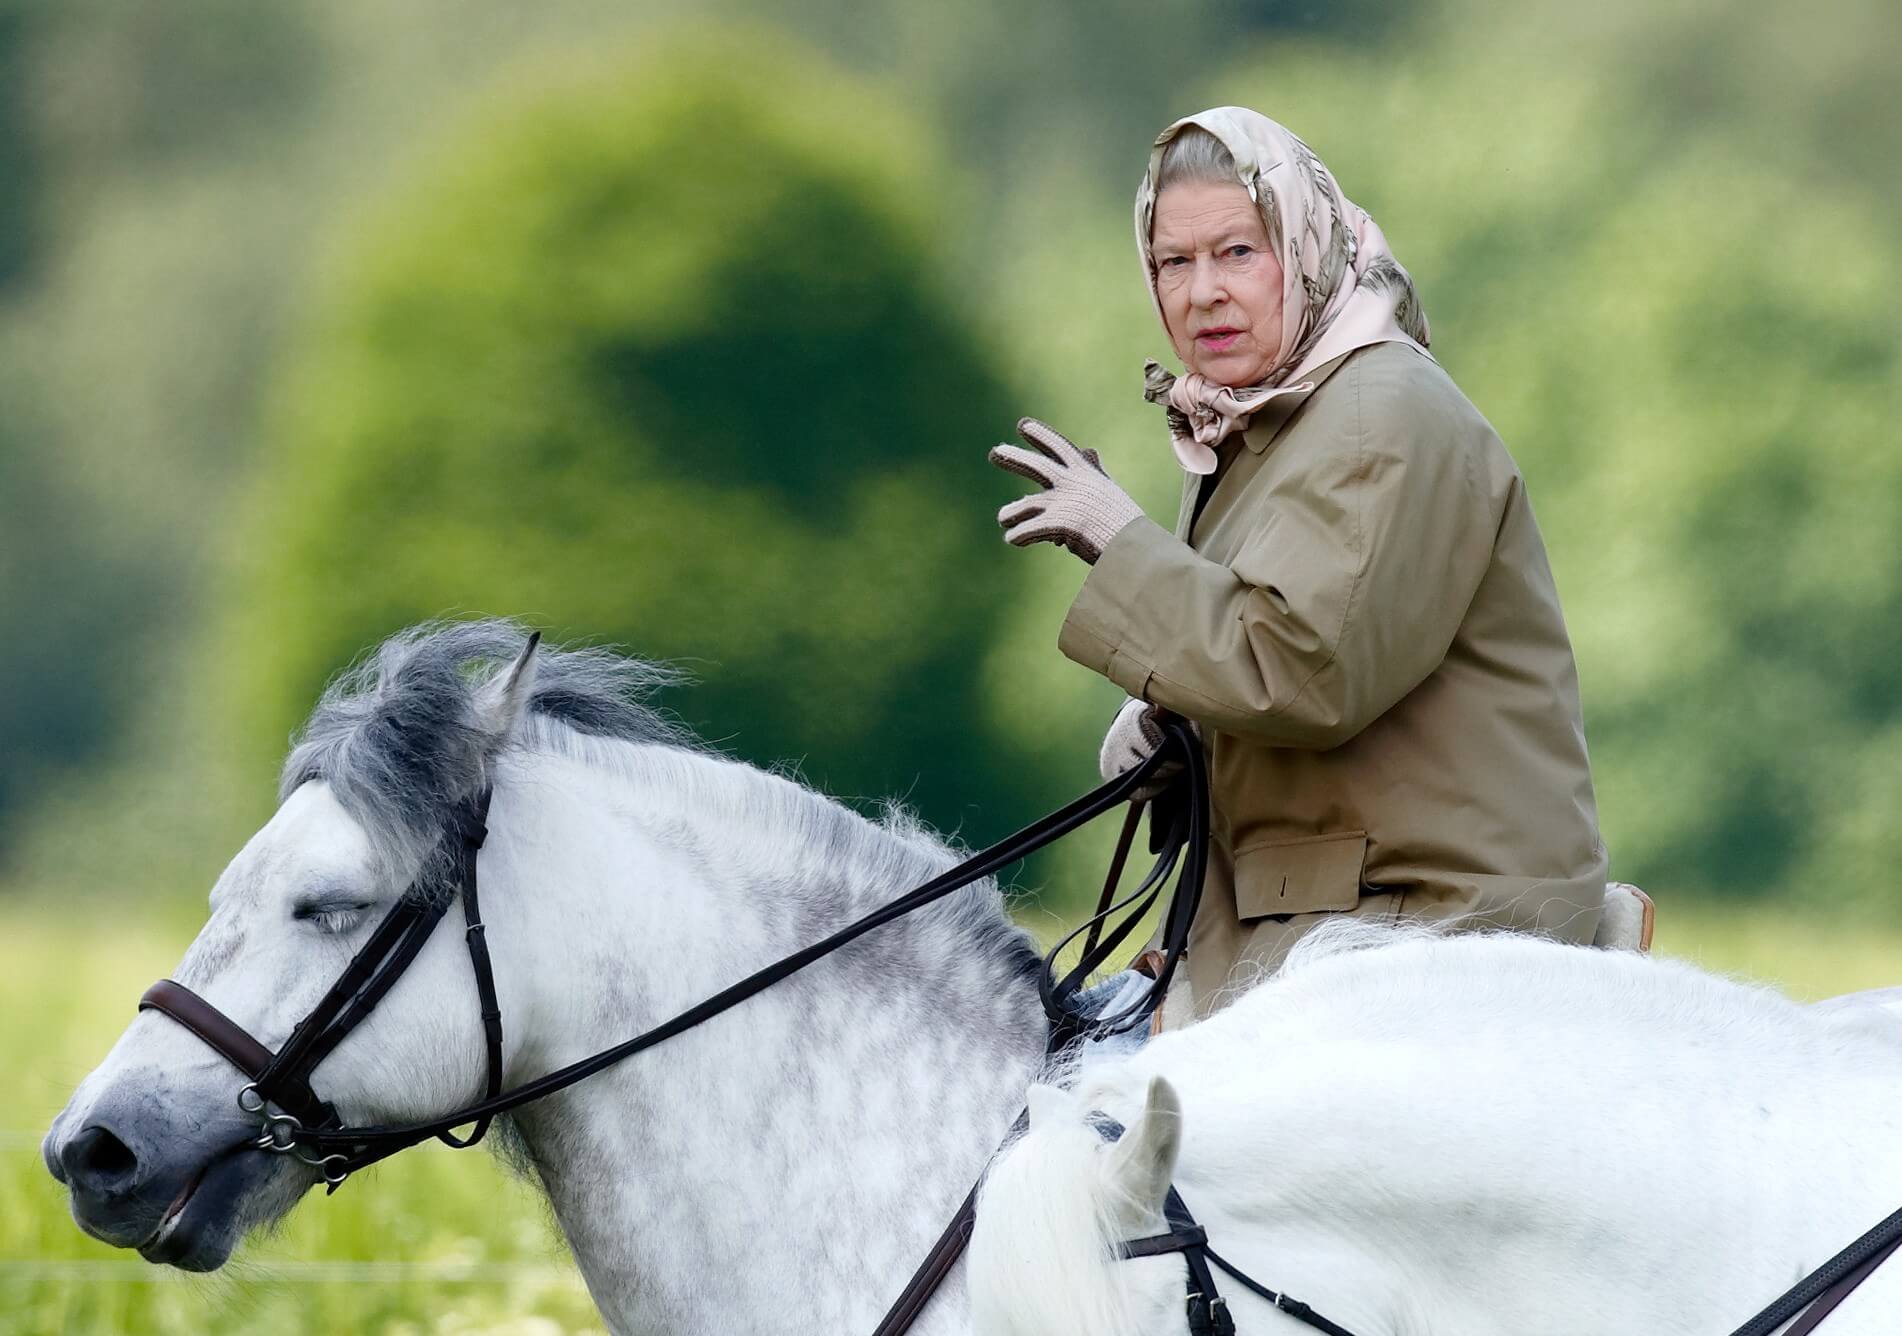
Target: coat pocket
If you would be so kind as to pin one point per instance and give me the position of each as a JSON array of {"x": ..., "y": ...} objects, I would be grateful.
[{"x": 1300, "y": 876}]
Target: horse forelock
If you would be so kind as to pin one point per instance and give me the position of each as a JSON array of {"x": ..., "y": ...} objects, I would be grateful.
[{"x": 399, "y": 738}]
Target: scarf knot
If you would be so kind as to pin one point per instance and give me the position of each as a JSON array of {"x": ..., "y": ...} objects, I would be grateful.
[{"x": 1202, "y": 414}]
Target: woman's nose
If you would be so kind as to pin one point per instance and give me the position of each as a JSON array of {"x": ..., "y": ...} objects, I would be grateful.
[{"x": 1205, "y": 284}]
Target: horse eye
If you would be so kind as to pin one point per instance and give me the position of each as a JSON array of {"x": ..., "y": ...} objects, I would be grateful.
[{"x": 330, "y": 916}]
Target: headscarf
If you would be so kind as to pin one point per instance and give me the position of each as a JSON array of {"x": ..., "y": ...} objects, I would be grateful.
[{"x": 1342, "y": 288}]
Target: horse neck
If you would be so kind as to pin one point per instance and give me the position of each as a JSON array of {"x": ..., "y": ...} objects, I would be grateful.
[{"x": 786, "y": 1165}]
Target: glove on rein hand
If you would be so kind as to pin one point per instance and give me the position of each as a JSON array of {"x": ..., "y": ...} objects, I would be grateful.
[
  {"x": 1133, "y": 737},
  {"x": 1082, "y": 508}
]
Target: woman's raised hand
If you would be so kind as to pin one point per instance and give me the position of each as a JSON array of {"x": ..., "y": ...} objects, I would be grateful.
[{"x": 1081, "y": 507}]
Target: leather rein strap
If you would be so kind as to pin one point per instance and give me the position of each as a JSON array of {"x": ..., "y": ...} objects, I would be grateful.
[
  {"x": 924, "y": 1282},
  {"x": 944, "y": 1254},
  {"x": 360, "y": 1146},
  {"x": 1827, "y": 1286},
  {"x": 1188, "y": 836},
  {"x": 296, "y": 1121}
]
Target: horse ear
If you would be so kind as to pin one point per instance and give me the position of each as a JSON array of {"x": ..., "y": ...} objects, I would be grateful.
[
  {"x": 1143, "y": 1162},
  {"x": 502, "y": 701}
]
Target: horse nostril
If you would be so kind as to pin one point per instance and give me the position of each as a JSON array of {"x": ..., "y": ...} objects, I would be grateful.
[{"x": 98, "y": 1159}]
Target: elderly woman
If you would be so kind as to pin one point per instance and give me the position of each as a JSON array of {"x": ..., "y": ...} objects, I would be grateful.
[{"x": 1355, "y": 607}]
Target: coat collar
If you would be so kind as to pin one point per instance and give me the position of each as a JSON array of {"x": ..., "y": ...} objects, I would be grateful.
[{"x": 1266, "y": 425}]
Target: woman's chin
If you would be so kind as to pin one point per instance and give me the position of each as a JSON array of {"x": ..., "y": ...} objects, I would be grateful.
[{"x": 1234, "y": 368}]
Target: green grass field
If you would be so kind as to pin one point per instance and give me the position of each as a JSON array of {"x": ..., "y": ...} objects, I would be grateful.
[{"x": 435, "y": 1242}]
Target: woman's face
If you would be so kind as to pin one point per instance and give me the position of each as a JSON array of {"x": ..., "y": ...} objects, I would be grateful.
[{"x": 1218, "y": 281}]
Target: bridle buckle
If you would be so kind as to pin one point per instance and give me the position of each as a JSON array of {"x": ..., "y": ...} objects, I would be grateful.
[
  {"x": 279, "y": 1132},
  {"x": 282, "y": 1134}
]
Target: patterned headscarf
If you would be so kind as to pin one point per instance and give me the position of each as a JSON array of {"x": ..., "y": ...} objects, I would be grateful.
[{"x": 1342, "y": 287}]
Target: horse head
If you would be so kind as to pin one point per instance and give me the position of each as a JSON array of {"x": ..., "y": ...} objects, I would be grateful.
[
  {"x": 154, "y": 1146},
  {"x": 610, "y": 831}
]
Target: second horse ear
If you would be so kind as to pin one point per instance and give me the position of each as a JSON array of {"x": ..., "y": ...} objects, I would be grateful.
[
  {"x": 502, "y": 701},
  {"x": 1142, "y": 1164}
]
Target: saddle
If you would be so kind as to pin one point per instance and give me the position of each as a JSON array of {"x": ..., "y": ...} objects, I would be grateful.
[{"x": 1627, "y": 920}]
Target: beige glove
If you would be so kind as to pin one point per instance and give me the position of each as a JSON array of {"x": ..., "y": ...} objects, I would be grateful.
[
  {"x": 1133, "y": 737},
  {"x": 1082, "y": 507}
]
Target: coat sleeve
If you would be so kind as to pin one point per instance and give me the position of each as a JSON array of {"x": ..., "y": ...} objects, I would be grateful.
[{"x": 1360, "y": 567}]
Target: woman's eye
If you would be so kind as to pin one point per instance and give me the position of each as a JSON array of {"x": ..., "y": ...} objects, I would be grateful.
[{"x": 1241, "y": 250}]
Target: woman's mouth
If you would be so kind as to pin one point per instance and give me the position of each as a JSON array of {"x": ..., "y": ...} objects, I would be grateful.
[{"x": 1219, "y": 339}]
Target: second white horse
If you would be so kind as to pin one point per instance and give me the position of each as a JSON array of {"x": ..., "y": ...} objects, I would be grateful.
[{"x": 1481, "y": 1136}]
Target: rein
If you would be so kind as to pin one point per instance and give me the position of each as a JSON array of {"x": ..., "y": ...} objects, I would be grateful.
[
  {"x": 1827, "y": 1286},
  {"x": 296, "y": 1121}
]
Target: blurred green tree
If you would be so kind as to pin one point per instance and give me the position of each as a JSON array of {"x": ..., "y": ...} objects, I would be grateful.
[
  {"x": 1680, "y": 320},
  {"x": 657, "y": 355},
  {"x": 68, "y": 623},
  {"x": 19, "y": 145},
  {"x": 1686, "y": 336}
]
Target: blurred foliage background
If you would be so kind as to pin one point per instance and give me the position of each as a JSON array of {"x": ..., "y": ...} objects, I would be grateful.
[
  {"x": 689, "y": 335},
  {"x": 687, "y": 327}
]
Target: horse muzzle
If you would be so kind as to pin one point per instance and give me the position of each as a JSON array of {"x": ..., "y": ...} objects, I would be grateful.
[{"x": 177, "y": 1199}]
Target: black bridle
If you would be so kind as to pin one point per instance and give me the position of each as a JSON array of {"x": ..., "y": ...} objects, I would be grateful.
[{"x": 296, "y": 1121}]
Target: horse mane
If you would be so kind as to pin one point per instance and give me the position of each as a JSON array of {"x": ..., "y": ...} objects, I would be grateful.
[{"x": 400, "y": 739}]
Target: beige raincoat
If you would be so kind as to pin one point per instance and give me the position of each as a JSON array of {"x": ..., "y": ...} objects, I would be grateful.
[{"x": 1363, "y": 622}]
